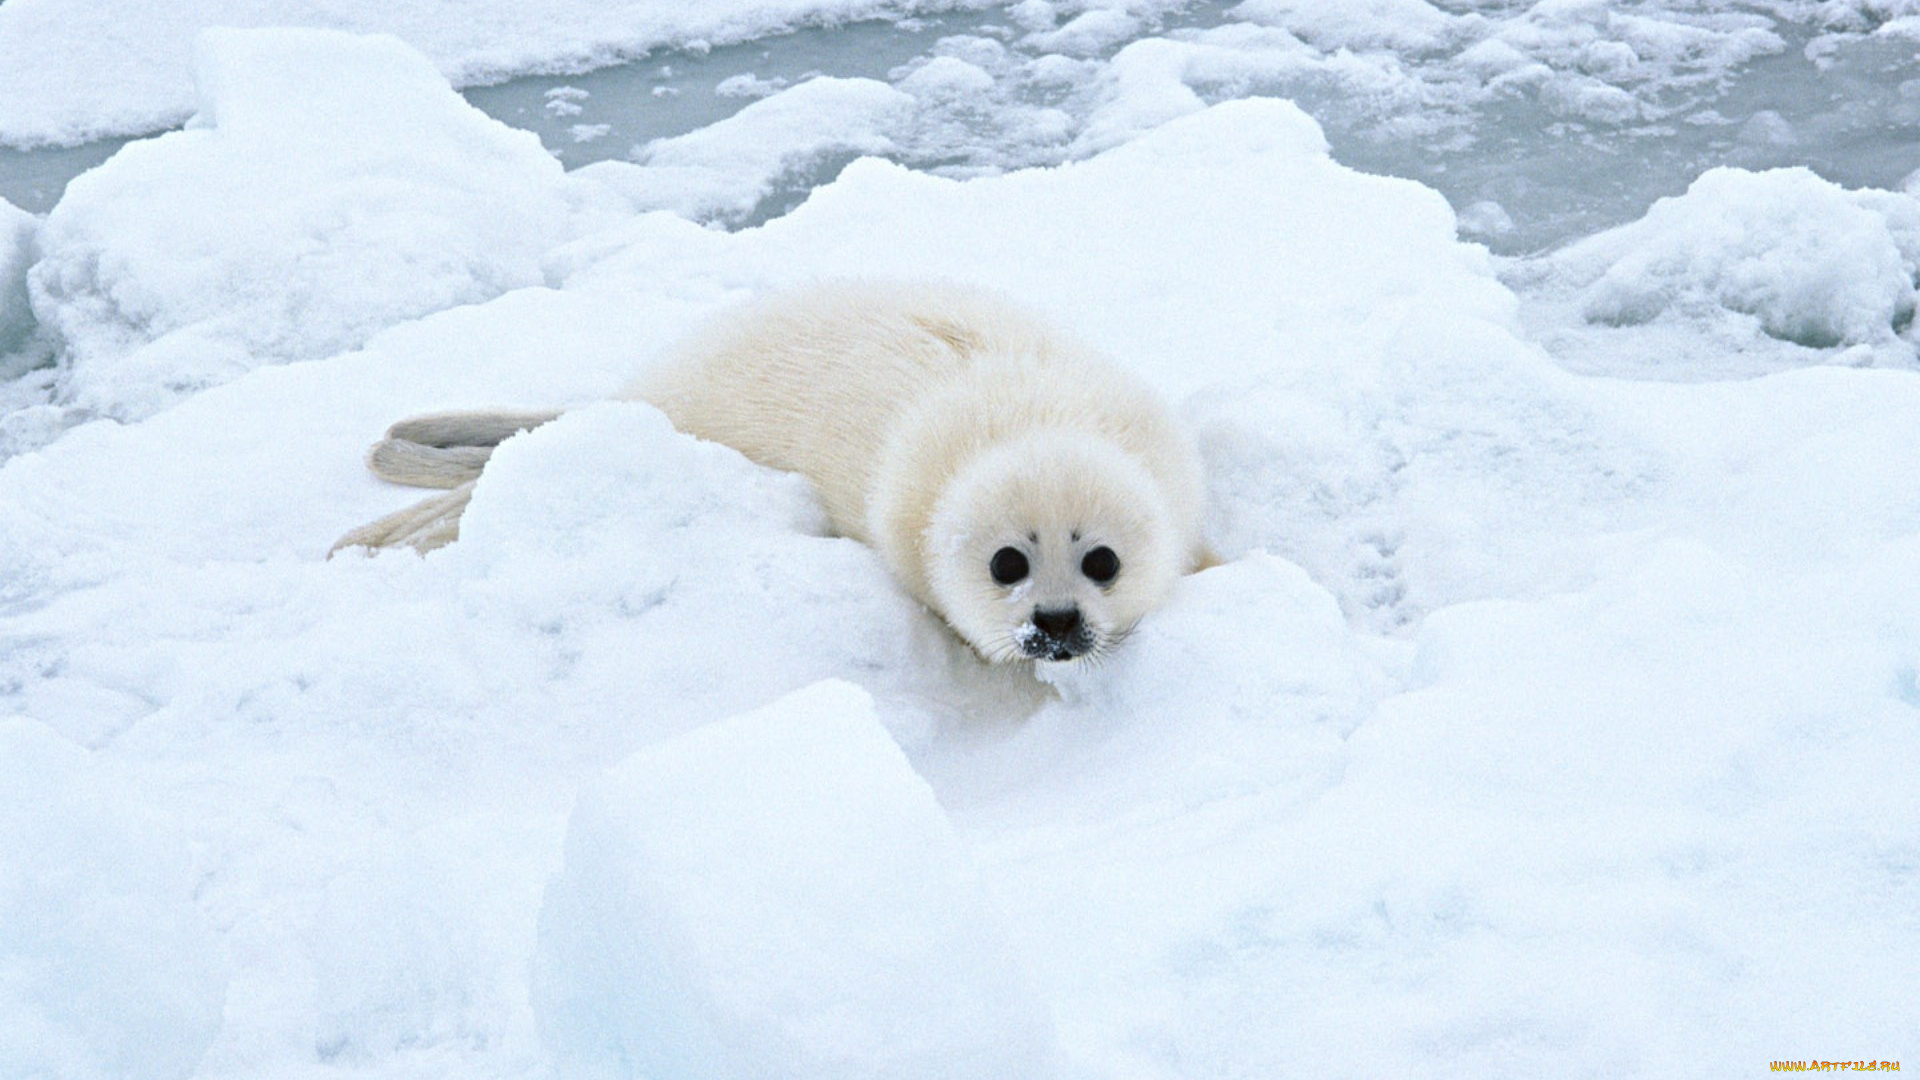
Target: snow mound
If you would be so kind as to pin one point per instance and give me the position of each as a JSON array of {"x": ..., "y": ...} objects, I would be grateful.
[
  {"x": 106, "y": 969},
  {"x": 1807, "y": 261},
  {"x": 1287, "y": 681},
  {"x": 657, "y": 560},
  {"x": 597, "y": 468},
  {"x": 1290, "y": 644},
  {"x": 330, "y": 186},
  {"x": 777, "y": 896}
]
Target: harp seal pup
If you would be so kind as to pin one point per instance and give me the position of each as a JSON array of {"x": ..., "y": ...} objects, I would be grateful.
[{"x": 1037, "y": 497}]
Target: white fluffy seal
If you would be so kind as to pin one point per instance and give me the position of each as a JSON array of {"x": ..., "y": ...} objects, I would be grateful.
[{"x": 1035, "y": 496}]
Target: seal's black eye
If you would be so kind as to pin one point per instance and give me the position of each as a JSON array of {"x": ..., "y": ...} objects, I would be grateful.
[
  {"x": 1008, "y": 566},
  {"x": 1101, "y": 564}
]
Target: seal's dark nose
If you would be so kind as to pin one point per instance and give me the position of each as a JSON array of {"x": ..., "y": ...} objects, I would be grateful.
[
  {"x": 1055, "y": 635},
  {"x": 1058, "y": 625}
]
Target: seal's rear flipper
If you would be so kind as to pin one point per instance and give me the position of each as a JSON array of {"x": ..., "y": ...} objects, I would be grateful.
[
  {"x": 435, "y": 450},
  {"x": 419, "y": 465},
  {"x": 432, "y": 522},
  {"x": 451, "y": 429},
  {"x": 445, "y": 450}
]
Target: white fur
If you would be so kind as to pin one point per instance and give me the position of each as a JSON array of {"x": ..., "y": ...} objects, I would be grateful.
[{"x": 937, "y": 423}]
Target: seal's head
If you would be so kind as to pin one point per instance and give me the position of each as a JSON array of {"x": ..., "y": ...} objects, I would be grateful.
[{"x": 1050, "y": 547}]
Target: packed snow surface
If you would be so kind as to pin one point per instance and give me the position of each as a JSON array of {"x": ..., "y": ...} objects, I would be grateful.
[{"x": 1552, "y": 713}]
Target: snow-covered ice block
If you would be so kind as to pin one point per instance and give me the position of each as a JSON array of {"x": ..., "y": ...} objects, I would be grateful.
[
  {"x": 777, "y": 896},
  {"x": 106, "y": 969},
  {"x": 330, "y": 186}
]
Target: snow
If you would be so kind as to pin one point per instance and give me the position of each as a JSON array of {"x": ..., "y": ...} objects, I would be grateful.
[
  {"x": 1553, "y": 712},
  {"x": 777, "y": 895},
  {"x": 109, "y": 969}
]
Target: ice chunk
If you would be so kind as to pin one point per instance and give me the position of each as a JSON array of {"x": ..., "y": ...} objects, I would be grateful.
[
  {"x": 1090, "y": 33},
  {"x": 1143, "y": 88},
  {"x": 105, "y": 967},
  {"x": 722, "y": 171},
  {"x": 331, "y": 186},
  {"x": 777, "y": 896},
  {"x": 1410, "y": 25},
  {"x": 947, "y": 77},
  {"x": 1485, "y": 219},
  {"x": 1814, "y": 264},
  {"x": 748, "y": 85},
  {"x": 17, "y": 229}
]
